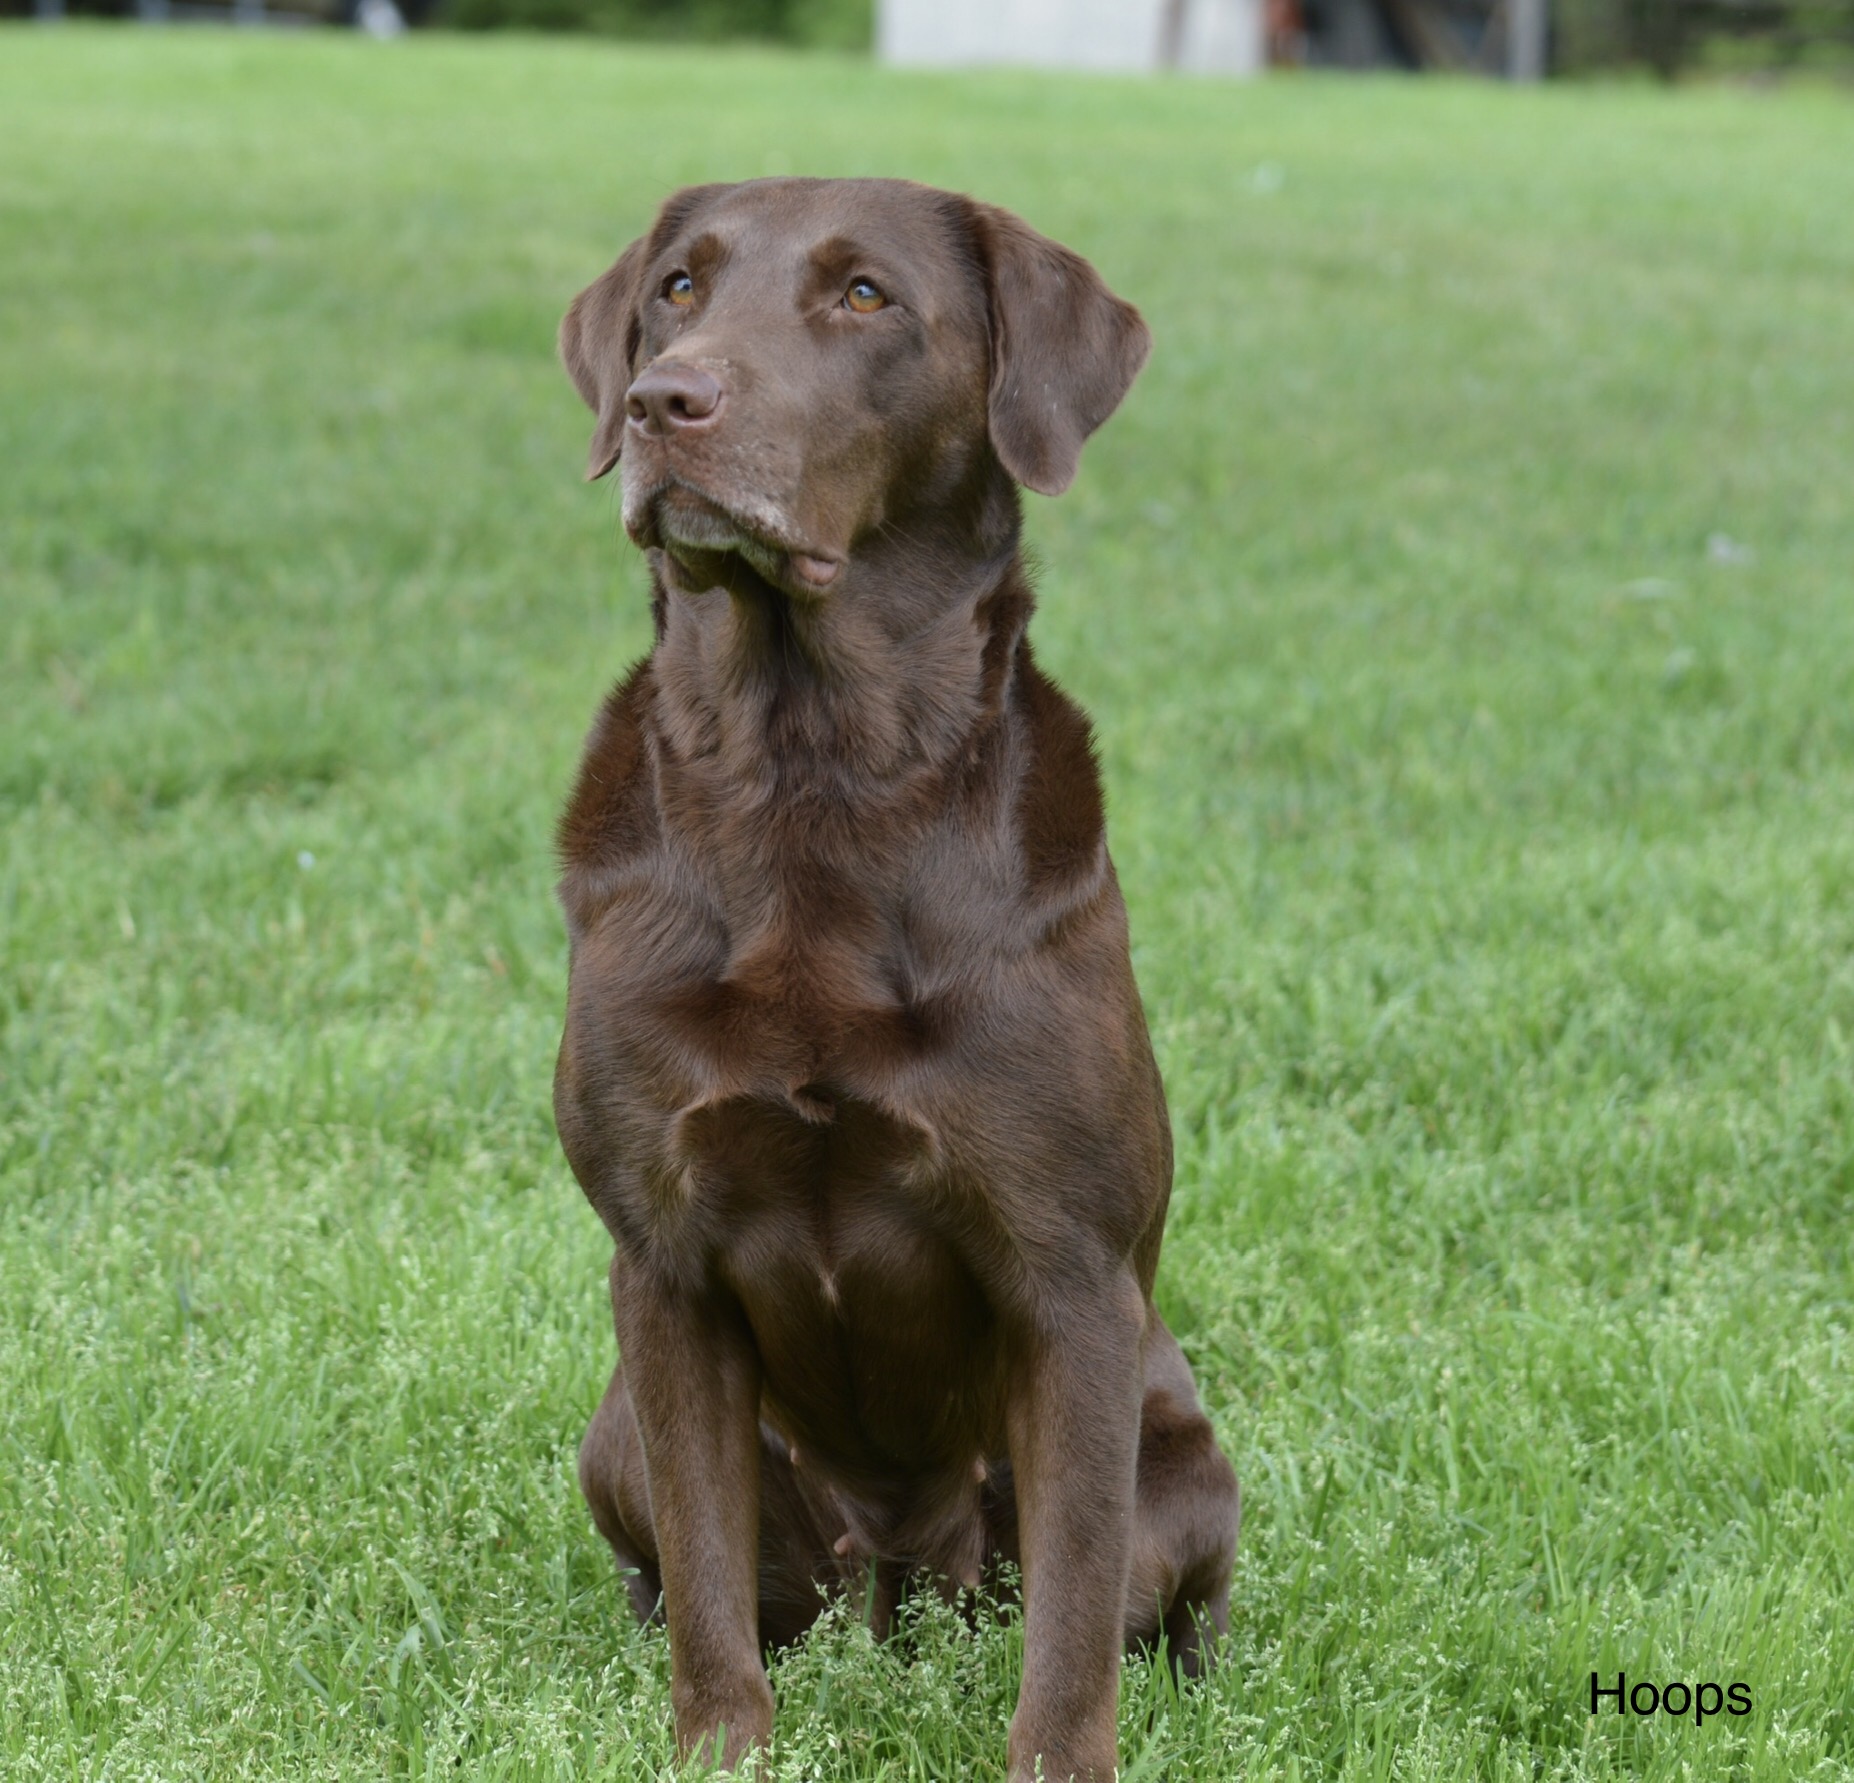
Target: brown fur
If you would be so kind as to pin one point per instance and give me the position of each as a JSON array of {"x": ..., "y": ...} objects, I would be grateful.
[{"x": 855, "y": 1070}]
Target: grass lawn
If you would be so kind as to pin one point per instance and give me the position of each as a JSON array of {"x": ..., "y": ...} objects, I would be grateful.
[{"x": 1464, "y": 601}]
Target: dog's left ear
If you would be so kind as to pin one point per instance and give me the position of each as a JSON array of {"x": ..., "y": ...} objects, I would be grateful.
[
  {"x": 598, "y": 344},
  {"x": 600, "y": 333},
  {"x": 1064, "y": 349}
]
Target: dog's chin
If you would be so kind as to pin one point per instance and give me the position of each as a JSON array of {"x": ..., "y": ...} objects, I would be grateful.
[
  {"x": 712, "y": 546},
  {"x": 684, "y": 569}
]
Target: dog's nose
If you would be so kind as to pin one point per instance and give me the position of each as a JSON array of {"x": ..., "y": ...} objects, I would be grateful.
[{"x": 673, "y": 396}]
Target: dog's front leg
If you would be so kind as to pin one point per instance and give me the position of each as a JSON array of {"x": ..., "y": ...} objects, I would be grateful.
[
  {"x": 1074, "y": 1437},
  {"x": 695, "y": 1383}
]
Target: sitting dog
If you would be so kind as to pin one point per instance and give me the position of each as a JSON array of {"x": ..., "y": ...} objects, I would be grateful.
[{"x": 855, "y": 1070}]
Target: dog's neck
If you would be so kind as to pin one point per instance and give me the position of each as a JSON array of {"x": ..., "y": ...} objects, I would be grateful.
[{"x": 893, "y": 672}]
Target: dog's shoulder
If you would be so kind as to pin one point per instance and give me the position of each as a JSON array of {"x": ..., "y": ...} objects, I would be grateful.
[
  {"x": 611, "y": 817},
  {"x": 1061, "y": 822}
]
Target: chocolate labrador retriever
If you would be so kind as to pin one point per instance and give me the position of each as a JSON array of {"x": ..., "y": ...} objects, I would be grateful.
[{"x": 854, "y": 1069}]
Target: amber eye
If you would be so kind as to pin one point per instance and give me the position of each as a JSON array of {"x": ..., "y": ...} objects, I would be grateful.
[
  {"x": 680, "y": 290},
  {"x": 863, "y": 297}
]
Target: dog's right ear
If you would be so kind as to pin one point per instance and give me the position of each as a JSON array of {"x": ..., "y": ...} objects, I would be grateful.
[
  {"x": 601, "y": 331},
  {"x": 598, "y": 346},
  {"x": 1064, "y": 348}
]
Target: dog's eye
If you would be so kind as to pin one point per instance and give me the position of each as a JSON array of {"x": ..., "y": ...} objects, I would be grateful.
[
  {"x": 863, "y": 297},
  {"x": 680, "y": 290}
]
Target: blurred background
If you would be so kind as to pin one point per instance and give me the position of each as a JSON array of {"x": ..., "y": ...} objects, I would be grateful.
[{"x": 1521, "y": 39}]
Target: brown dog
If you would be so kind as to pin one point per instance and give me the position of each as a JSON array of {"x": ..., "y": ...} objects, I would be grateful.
[{"x": 855, "y": 1070}]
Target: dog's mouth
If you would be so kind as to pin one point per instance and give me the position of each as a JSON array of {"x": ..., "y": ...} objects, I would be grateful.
[{"x": 699, "y": 532}]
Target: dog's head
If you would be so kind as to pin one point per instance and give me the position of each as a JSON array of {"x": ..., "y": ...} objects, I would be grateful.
[{"x": 786, "y": 366}]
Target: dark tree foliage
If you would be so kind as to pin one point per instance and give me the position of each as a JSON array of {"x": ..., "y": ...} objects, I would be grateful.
[
  {"x": 838, "y": 24},
  {"x": 1670, "y": 36},
  {"x": 818, "y": 24}
]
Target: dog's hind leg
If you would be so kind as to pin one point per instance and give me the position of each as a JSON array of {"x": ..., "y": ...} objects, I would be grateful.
[
  {"x": 617, "y": 1489},
  {"x": 1187, "y": 1512},
  {"x": 797, "y": 1566}
]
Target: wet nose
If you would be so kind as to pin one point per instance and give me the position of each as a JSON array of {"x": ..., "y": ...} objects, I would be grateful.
[{"x": 673, "y": 396}]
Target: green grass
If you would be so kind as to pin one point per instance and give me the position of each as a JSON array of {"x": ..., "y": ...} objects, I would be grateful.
[{"x": 1486, "y": 832}]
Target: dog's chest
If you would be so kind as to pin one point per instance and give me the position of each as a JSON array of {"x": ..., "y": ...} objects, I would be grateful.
[
  {"x": 767, "y": 1094},
  {"x": 701, "y": 991},
  {"x": 831, "y": 1225}
]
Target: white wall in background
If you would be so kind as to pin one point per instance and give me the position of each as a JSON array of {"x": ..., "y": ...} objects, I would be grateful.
[
  {"x": 1219, "y": 37},
  {"x": 1222, "y": 37}
]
